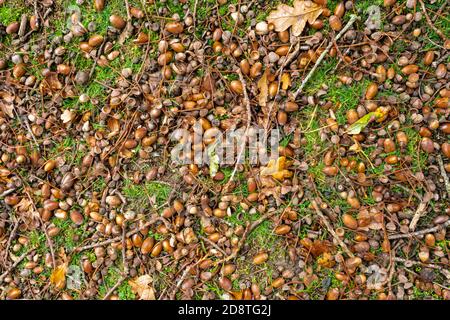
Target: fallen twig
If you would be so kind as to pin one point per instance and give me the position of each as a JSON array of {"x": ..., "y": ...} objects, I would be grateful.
[
  {"x": 352, "y": 20},
  {"x": 430, "y": 23},
  {"x": 111, "y": 291},
  {"x": 249, "y": 119},
  {"x": 444, "y": 271},
  {"x": 330, "y": 229},
  {"x": 420, "y": 211},
  {"x": 15, "y": 264},
  {"x": 247, "y": 231},
  {"x": 444, "y": 174},
  {"x": 421, "y": 232}
]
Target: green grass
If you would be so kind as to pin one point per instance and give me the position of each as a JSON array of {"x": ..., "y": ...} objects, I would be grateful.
[
  {"x": 70, "y": 236},
  {"x": 140, "y": 194},
  {"x": 124, "y": 290},
  {"x": 12, "y": 11}
]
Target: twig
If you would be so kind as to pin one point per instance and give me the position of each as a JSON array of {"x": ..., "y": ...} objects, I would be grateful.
[
  {"x": 421, "y": 232},
  {"x": 7, "y": 192},
  {"x": 249, "y": 119},
  {"x": 110, "y": 292},
  {"x": 444, "y": 271},
  {"x": 430, "y": 23},
  {"x": 248, "y": 230},
  {"x": 352, "y": 20},
  {"x": 330, "y": 229},
  {"x": 419, "y": 212},
  {"x": 444, "y": 174},
  {"x": 215, "y": 246},
  {"x": 11, "y": 236},
  {"x": 15, "y": 264},
  {"x": 124, "y": 244}
]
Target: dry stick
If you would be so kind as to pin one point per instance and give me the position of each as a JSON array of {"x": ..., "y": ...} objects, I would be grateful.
[
  {"x": 248, "y": 230},
  {"x": 444, "y": 271},
  {"x": 444, "y": 174},
  {"x": 118, "y": 238},
  {"x": 419, "y": 212},
  {"x": 430, "y": 23},
  {"x": 124, "y": 242},
  {"x": 352, "y": 20},
  {"x": 11, "y": 236},
  {"x": 420, "y": 232},
  {"x": 110, "y": 292},
  {"x": 15, "y": 264},
  {"x": 249, "y": 119},
  {"x": 330, "y": 229}
]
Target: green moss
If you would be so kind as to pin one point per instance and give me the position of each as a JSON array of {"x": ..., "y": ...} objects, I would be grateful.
[
  {"x": 11, "y": 11},
  {"x": 140, "y": 194}
]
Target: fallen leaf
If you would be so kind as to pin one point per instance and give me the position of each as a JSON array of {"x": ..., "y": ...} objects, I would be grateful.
[
  {"x": 277, "y": 169},
  {"x": 297, "y": 16},
  {"x": 285, "y": 81},
  {"x": 379, "y": 115},
  {"x": 50, "y": 84},
  {"x": 58, "y": 276},
  {"x": 141, "y": 287},
  {"x": 263, "y": 86},
  {"x": 7, "y": 109}
]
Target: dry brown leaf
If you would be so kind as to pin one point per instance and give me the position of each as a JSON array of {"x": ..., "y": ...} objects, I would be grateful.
[
  {"x": 7, "y": 109},
  {"x": 58, "y": 276},
  {"x": 285, "y": 81},
  {"x": 141, "y": 287},
  {"x": 277, "y": 169},
  {"x": 50, "y": 84},
  {"x": 297, "y": 16},
  {"x": 263, "y": 86}
]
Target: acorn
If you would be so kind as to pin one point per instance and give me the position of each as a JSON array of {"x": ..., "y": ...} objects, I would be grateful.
[
  {"x": 99, "y": 5},
  {"x": 427, "y": 145},
  {"x": 335, "y": 23},
  {"x": 260, "y": 258},
  {"x": 50, "y": 165},
  {"x": 291, "y": 106},
  {"x": 428, "y": 58},
  {"x": 245, "y": 66},
  {"x": 76, "y": 217},
  {"x": 330, "y": 170},
  {"x": 147, "y": 245},
  {"x": 409, "y": 69},
  {"x": 349, "y": 221},
  {"x": 12, "y": 28},
  {"x": 446, "y": 149},
  {"x": 63, "y": 69},
  {"x": 13, "y": 293},
  {"x": 282, "y": 229},
  {"x": 371, "y": 91},
  {"x": 282, "y": 117},
  {"x": 19, "y": 70},
  {"x": 389, "y": 145},
  {"x": 117, "y": 21},
  {"x": 95, "y": 40},
  {"x": 236, "y": 86},
  {"x": 430, "y": 240},
  {"x": 278, "y": 282},
  {"x": 137, "y": 13},
  {"x": 174, "y": 27},
  {"x": 339, "y": 10},
  {"x": 392, "y": 159}
]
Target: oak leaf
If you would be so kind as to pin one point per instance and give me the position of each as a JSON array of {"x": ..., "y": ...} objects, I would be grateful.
[
  {"x": 379, "y": 115},
  {"x": 277, "y": 169},
  {"x": 263, "y": 86},
  {"x": 297, "y": 16},
  {"x": 141, "y": 287}
]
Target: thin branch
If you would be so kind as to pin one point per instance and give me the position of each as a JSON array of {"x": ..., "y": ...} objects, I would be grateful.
[
  {"x": 330, "y": 229},
  {"x": 430, "y": 23},
  {"x": 444, "y": 174},
  {"x": 421, "y": 232},
  {"x": 352, "y": 20}
]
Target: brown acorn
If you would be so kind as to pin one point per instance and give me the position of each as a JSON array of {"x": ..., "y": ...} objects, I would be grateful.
[{"x": 117, "y": 21}]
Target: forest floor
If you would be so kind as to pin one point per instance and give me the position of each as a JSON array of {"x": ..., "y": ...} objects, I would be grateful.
[{"x": 355, "y": 206}]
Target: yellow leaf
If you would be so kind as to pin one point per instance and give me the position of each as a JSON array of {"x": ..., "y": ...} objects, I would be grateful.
[
  {"x": 285, "y": 81},
  {"x": 58, "y": 276},
  {"x": 297, "y": 16},
  {"x": 380, "y": 114},
  {"x": 263, "y": 87},
  {"x": 277, "y": 169},
  {"x": 141, "y": 287}
]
